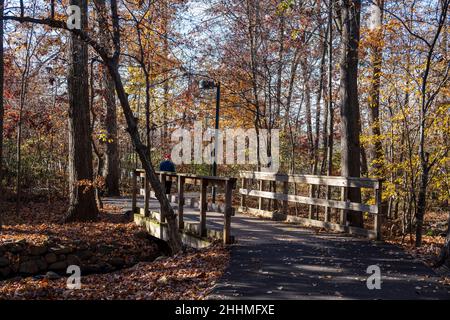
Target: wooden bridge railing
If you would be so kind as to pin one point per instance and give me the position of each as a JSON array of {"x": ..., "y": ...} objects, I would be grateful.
[
  {"x": 344, "y": 183},
  {"x": 227, "y": 184}
]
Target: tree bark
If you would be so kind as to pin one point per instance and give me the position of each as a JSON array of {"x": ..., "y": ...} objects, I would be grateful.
[
  {"x": 112, "y": 64},
  {"x": 82, "y": 195},
  {"x": 426, "y": 101},
  {"x": 2, "y": 110},
  {"x": 376, "y": 12},
  {"x": 444, "y": 257},
  {"x": 350, "y": 117},
  {"x": 112, "y": 168}
]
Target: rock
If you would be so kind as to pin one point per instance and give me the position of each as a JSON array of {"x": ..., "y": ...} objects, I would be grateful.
[
  {"x": 91, "y": 268},
  {"x": 62, "y": 257},
  {"x": 42, "y": 264},
  {"x": 163, "y": 280},
  {"x": 38, "y": 250},
  {"x": 60, "y": 250},
  {"x": 85, "y": 254},
  {"x": 73, "y": 260},
  {"x": 160, "y": 258},
  {"x": 106, "y": 267},
  {"x": 105, "y": 249},
  {"x": 117, "y": 262},
  {"x": 5, "y": 272},
  {"x": 15, "y": 248},
  {"x": 4, "y": 262},
  {"x": 60, "y": 265},
  {"x": 29, "y": 267},
  {"x": 51, "y": 258},
  {"x": 52, "y": 275}
]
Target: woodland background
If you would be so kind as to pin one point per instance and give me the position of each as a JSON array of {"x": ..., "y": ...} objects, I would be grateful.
[{"x": 303, "y": 67}]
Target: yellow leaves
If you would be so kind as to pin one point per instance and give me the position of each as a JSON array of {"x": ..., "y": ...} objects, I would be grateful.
[{"x": 103, "y": 137}]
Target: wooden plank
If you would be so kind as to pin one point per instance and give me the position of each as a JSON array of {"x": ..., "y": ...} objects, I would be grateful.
[
  {"x": 228, "y": 213},
  {"x": 311, "y": 195},
  {"x": 344, "y": 211},
  {"x": 275, "y": 202},
  {"x": 243, "y": 197},
  {"x": 332, "y": 226},
  {"x": 203, "y": 207},
  {"x": 312, "y": 179},
  {"x": 134, "y": 193},
  {"x": 378, "y": 219},
  {"x": 162, "y": 180},
  {"x": 285, "y": 202},
  {"x": 265, "y": 214},
  {"x": 146, "y": 197},
  {"x": 180, "y": 202},
  {"x": 327, "y": 217},
  {"x": 260, "y": 200},
  {"x": 313, "y": 201},
  {"x": 193, "y": 178}
]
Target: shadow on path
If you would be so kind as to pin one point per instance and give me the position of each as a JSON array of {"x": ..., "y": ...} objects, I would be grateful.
[{"x": 275, "y": 260}]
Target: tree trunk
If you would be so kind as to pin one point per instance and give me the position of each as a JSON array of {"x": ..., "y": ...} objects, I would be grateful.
[
  {"x": 444, "y": 257},
  {"x": 82, "y": 196},
  {"x": 376, "y": 12},
  {"x": 112, "y": 170},
  {"x": 350, "y": 117},
  {"x": 2, "y": 110},
  {"x": 113, "y": 68}
]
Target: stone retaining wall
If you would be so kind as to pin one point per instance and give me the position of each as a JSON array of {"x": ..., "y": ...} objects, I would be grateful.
[{"x": 19, "y": 258}]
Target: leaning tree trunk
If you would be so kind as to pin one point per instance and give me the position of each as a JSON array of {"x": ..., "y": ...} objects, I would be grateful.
[
  {"x": 166, "y": 209},
  {"x": 350, "y": 118},
  {"x": 112, "y": 65},
  {"x": 82, "y": 195}
]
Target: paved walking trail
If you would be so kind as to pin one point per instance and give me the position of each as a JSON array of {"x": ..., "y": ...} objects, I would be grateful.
[{"x": 275, "y": 260}]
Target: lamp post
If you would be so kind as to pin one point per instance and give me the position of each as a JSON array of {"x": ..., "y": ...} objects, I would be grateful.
[{"x": 205, "y": 85}]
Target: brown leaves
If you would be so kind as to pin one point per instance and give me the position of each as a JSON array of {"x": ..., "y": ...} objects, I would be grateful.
[{"x": 185, "y": 276}]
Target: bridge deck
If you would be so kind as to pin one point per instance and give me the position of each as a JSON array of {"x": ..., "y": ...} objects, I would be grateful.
[
  {"x": 214, "y": 220},
  {"x": 275, "y": 260}
]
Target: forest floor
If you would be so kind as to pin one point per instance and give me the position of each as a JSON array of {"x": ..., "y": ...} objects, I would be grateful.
[
  {"x": 435, "y": 227},
  {"x": 189, "y": 275}
]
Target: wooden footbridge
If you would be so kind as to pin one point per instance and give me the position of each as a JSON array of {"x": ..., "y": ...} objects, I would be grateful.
[
  {"x": 281, "y": 259},
  {"x": 262, "y": 194}
]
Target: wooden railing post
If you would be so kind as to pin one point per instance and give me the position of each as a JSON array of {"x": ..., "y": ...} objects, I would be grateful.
[
  {"x": 134, "y": 192},
  {"x": 181, "y": 181},
  {"x": 378, "y": 218},
  {"x": 243, "y": 197},
  {"x": 327, "y": 208},
  {"x": 311, "y": 195},
  {"x": 275, "y": 202},
  {"x": 260, "y": 200},
  {"x": 285, "y": 202},
  {"x": 203, "y": 206},
  {"x": 146, "y": 196},
  {"x": 162, "y": 179},
  {"x": 228, "y": 212},
  {"x": 344, "y": 197}
]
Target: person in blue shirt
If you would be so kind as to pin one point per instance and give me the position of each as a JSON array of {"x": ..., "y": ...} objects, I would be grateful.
[{"x": 169, "y": 166}]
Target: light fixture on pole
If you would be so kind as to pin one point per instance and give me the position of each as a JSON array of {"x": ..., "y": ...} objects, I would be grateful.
[{"x": 208, "y": 85}]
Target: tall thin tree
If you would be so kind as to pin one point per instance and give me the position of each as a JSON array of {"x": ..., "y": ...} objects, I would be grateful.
[
  {"x": 350, "y": 117},
  {"x": 82, "y": 194}
]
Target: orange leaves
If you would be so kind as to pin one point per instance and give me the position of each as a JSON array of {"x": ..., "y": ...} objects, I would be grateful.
[{"x": 190, "y": 275}]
